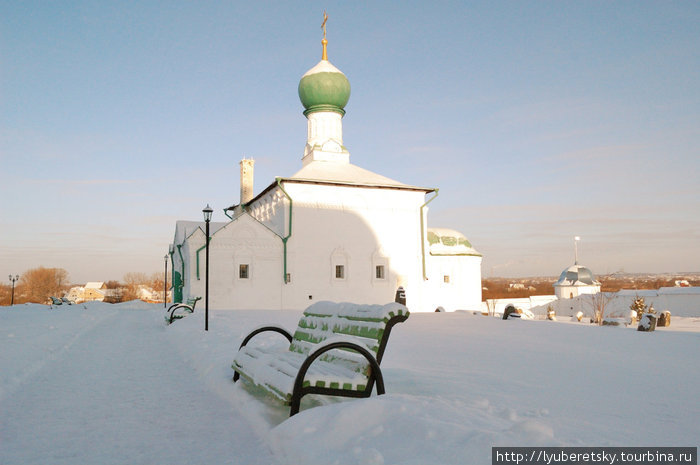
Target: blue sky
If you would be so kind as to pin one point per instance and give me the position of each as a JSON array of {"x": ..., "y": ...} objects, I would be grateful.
[{"x": 538, "y": 121}]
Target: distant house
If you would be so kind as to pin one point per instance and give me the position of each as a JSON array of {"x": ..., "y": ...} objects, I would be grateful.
[
  {"x": 75, "y": 294},
  {"x": 94, "y": 291},
  {"x": 90, "y": 292},
  {"x": 147, "y": 294}
]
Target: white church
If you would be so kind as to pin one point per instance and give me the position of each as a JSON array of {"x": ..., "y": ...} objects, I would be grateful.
[{"x": 331, "y": 231}]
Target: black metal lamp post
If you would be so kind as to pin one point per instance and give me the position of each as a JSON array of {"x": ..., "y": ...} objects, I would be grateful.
[
  {"x": 207, "y": 218},
  {"x": 13, "y": 280},
  {"x": 165, "y": 282}
]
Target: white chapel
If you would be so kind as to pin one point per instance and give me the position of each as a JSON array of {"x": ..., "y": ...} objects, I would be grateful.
[{"x": 331, "y": 231}]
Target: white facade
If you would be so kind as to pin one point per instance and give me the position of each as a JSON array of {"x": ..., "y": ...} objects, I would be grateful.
[
  {"x": 452, "y": 271},
  {"x": 347, "y": 243}
]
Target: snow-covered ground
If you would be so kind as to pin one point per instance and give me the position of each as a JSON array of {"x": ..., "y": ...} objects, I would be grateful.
[{"x": 108, "y": 384}]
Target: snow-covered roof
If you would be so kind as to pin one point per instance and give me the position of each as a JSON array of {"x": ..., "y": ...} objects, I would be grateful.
[
  {"x": 184, "y": 229},
  {"x": 577, "y": 275},
  {"x": 344, "y": 174},
  {"x": 323, "y": 66},
  {"x": 94, "y": 285},
  {"x": 445, "y": 241}
]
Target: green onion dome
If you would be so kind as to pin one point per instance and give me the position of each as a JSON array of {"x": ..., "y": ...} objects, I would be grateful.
[{"x": 324, "y": 88}]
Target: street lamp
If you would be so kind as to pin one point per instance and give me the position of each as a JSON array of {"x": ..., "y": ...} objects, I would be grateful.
[
  {"x": 165, "y": 282},
  {"x": 13, "y": 280},
  {"x": 207, "y": 218}
]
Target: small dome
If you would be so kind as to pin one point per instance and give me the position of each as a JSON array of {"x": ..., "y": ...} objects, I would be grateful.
[
  {"x": 443, "y": 241},
  {"x": 577, "y": 275},
  {"x": 324, "y": 88}
]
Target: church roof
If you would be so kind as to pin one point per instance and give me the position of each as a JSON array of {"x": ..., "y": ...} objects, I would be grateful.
[
  {"x": 340, "y": 174},
  {"x": 577, "y": 275},
  {"x": 184, "y": 229},
  {"x": 324, "y": 88},
  {"x": 346, "y": 173},
  {"x": 445, "y": 241}
]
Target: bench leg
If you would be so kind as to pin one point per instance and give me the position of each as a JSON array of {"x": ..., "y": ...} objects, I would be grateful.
[{"x": 296, "y": 404}]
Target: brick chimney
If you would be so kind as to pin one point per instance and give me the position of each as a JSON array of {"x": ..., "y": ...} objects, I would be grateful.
[{"x": 247, "y": 180}]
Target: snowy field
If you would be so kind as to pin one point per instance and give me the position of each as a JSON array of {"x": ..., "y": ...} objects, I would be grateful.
[{"x": 112, "y": 384}]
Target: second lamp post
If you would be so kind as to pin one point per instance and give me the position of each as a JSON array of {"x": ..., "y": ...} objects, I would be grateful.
[
  {"x": 13, "y": 281},
  {"x": 207, "y": 218}
]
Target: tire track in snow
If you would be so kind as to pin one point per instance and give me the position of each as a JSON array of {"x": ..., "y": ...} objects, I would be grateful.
[
  {"x": 52, "y": 350},
  {"x": 117, "y": 393}
]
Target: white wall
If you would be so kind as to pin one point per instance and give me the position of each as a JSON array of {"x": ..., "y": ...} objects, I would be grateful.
[
  {"x": 242, "y": 241},
  {"x": 353, "y": 227},
  {"x": 679, "y": 301},
  {"x": 565, "y": 292},
  {"x": 359, "y": 229},
  {"x": 463, "y": 291}
]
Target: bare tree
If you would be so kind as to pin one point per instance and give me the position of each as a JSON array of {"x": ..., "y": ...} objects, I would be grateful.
[
  {"x": 132, "y": 282},
  {"x": 5, "y": 294},
  {"x": 491, "y": 306},
  {"x": 597, "y": 303},
  {"x": 41, "y": 283},
  {"x": 157, "y": 281}
]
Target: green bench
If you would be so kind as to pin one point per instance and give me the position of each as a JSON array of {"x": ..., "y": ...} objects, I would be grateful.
[
  {"x": 180, "y": 310},
  {"x": 336, "y": 350}
]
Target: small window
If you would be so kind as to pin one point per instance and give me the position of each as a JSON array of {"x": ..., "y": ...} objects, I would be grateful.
[
  {"x": 379, "y": 272},
  {"x": 446, "y": 279},
  {"x": 340, "y": 271},
  {"x": 243, "y": 271}
]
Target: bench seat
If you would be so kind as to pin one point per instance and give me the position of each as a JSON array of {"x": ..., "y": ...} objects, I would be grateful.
[
  {"x": 276, "y": 372},
  {"x": 335, "y": 350}
]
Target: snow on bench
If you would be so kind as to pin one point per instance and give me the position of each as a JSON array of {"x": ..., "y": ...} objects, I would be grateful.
[
  {"x": 336, "y": 350},
  {"x": 179, "y": 310}
]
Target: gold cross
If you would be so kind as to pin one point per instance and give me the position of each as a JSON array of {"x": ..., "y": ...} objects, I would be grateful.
[{"x": 325, "y": 18}]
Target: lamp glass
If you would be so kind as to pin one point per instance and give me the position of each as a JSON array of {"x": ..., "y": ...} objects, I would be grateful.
[{"x": 207, "y": 213}]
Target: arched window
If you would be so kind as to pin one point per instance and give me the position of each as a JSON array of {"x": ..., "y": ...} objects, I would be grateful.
[
  {"x": 339, "y": 266},
  {"x": 380, "y": 267}
]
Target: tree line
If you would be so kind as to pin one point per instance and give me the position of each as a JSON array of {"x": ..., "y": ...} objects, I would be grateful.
[{"x": 38, "y": 285}]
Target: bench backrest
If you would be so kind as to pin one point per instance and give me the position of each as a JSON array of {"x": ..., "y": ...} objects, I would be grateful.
[{"x": 367, "y": 325}]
